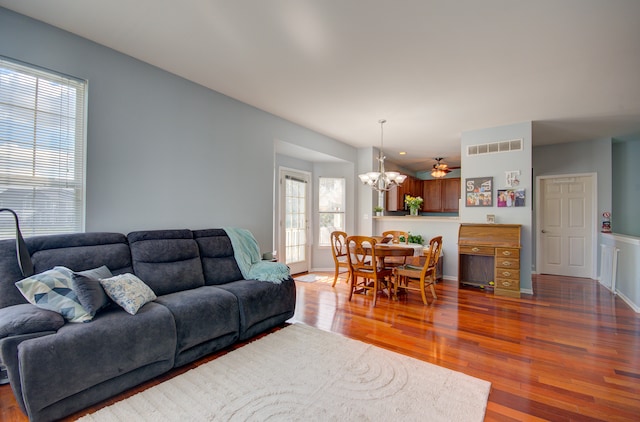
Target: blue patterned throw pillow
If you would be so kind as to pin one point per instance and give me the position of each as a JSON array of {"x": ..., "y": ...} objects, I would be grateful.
[
  {"x": 128, "y": 291},
  {"x": 52, "y": 290}
]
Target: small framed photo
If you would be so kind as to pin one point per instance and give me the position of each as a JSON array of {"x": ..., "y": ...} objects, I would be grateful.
[
  {"x": 479, "y": 192},
  {"x": 511, "y": 198},
  {"x": 491, "y": 218}
]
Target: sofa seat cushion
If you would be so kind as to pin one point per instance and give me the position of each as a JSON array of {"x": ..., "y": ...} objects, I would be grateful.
[
  {"x": 261, "y": 300},
  {"x": 80, "y": 356},
  {"x": 201, "y": 315}
]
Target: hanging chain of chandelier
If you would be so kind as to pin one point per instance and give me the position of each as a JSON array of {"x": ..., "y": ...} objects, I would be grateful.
[{"x": 382, "y": 180}]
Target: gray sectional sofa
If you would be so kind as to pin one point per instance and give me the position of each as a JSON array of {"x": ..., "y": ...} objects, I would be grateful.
[{"x": 203, "y": 305}]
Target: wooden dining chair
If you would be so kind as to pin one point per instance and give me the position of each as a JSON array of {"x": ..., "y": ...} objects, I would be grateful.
[
  {"x": 396, "y": 235},
  {"x": 425, "y": 275},
  {"x": 395, "y": 239},
  {"x": 367, "y": 272},
  {"x": 339, "y": 251}
]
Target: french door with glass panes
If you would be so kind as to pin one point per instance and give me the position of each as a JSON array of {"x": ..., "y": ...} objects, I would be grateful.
[{"x": 294, "y": 224}]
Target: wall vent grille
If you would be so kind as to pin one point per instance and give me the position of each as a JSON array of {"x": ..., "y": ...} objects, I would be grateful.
[{"x": 495, "y": 147}]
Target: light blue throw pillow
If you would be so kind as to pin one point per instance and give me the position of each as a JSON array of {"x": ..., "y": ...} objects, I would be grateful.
[
  {"x": 128, "y": 291},
  {"x": 52, "y": 290}
]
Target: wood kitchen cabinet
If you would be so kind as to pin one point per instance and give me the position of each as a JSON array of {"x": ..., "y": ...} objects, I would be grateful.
[
  {"x": 441, "y": 195},
  {"x": 395, "y": 196},
  {"x": 489, "y": 257}
]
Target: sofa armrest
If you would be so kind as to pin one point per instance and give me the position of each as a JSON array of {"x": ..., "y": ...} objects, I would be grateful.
[
  {"x": 9, "y": 358},
  {"x": 26, "y": 319}
]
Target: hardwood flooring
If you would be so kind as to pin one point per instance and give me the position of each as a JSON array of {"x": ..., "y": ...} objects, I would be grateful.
[{"x": 571, "y": 352}]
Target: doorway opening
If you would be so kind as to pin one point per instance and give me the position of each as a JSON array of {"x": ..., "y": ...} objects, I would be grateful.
[{"x": 294, "y": 221}]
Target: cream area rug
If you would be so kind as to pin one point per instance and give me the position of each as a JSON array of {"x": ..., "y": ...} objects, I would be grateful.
[{"x": 301, "y": 373}]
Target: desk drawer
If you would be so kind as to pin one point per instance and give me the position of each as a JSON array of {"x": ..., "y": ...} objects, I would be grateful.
[
  {"x": 513, "y": 263},
  {"x": 476, "y": 250},
  {"x": 507, "y": 253},
  {"x": 508, "y": 273},
  {"x": 507, "y": 284}
]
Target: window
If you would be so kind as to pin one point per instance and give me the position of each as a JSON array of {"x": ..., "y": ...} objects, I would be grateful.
[
  {"x": 42, "y": 138},
  {"x": 331, "y": 207}
]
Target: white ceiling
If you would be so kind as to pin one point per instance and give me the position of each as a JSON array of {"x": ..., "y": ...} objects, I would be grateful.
[{"x": 432, "y": 68}]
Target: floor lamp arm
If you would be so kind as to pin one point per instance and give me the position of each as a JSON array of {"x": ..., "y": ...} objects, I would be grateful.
[{"x": 24, "y": 258}]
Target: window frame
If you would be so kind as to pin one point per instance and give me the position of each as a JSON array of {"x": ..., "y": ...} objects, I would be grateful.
[
  {"x": 342, "y": 212},
  {"x": 43, "y": 129}
]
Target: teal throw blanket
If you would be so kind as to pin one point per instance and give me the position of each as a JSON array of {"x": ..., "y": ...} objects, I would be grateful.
[{"x": 247, "y": 254}]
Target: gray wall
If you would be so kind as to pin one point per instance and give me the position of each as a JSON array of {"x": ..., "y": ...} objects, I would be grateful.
[
  {"x": 577, "y": 158},
  {"x": 495, "y": 165},
  {"x": 163, "y": 152},
  {"x": 626, "y": 188}
]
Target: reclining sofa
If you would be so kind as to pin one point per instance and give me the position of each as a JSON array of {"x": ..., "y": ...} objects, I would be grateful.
[{"x": 203, "y": 304}]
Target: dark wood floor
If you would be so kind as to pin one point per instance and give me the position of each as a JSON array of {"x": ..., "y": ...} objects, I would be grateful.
[{"x": 569, "y": 353}]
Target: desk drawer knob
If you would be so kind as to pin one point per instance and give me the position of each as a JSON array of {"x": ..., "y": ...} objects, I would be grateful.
[
  {"x": 506, "y": 273},
  {"x": 506, "y": 283},
  {"x": 506, "y": 263},
  {"x": 506, "y": 253},
  {"x": 475, "y": 249}
]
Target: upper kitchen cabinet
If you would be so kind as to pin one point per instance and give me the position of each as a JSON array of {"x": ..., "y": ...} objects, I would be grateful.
[
  {"x": 395, "y": 196},
  {"x": 441, "y": 195}
]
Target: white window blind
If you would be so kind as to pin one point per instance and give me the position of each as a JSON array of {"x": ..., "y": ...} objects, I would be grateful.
[{"x": 42, "y": 139}]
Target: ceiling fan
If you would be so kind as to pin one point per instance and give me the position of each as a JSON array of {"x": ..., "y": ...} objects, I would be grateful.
[{"x": 439, "y": 169}]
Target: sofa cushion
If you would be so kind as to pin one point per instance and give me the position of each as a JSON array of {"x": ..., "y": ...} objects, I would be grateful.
[
  {"x": 128, "y": 291},
  {"x": 81, "y": 251},
  {"x": 216, "y": 251},
  {"x": 52, "y": 290},
  {"x": 201, "y": 315},
  {"x": 90, "y": 293},
  {"x": 167, "y": 260},
  {"x": 262, "y": 304},
  {"x": 76, "y": 251},
  {"x": 27, "y": 318},
  {"x": 81, "y": 356}
]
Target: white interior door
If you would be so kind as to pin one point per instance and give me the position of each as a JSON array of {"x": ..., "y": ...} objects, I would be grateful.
[
  {"x": 294, "y": 224},
  {"x": 566, "y": 226}
]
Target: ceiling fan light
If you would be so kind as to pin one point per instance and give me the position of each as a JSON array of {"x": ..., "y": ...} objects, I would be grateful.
[{"x": 438, "y": 173}]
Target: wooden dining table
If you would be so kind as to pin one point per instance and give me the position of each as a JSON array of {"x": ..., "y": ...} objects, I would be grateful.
[{"x": 387, "y": 250}]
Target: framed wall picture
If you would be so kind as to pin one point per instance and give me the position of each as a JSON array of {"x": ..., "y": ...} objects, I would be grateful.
[
  {"x": 511, "y": 198},
  {"x": 512, "y": 178},
  {"x": 479, "y": 192}
]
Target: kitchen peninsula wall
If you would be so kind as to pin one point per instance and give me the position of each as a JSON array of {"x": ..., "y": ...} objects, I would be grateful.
[{"x": 428, "y": 227}]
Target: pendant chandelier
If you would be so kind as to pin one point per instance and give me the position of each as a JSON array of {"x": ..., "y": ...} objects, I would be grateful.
[
  {"x": 439, "y": 169},
  {"x": 382, "y": 180}
]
